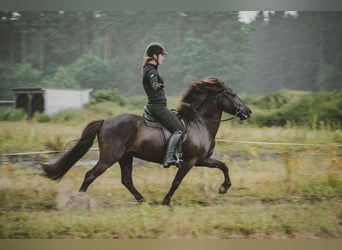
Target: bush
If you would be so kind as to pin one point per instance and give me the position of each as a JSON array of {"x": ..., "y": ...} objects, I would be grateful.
[
  {"x": 3, "y": 115},
  {"x": 278, "y": 99},
  {"x": 137, "y": 102},
  {"x": 314, "y": 110},
  {"x": 41, "y": 117},
  {"x": 107, "y": 95},
  {"x": 16, "y": 115},
  {"x": 12, "y": 115}
]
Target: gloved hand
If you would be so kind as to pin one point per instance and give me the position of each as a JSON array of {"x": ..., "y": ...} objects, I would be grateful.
[{"x": 158, "y": 85}]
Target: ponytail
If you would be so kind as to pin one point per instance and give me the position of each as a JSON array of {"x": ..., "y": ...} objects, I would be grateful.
[{"x": 146, "y": 60}]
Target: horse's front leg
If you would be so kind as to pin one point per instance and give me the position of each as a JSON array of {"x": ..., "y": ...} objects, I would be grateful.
[
  {"x": 182, "y": 171},
  {"x": 213, "y": 163}
]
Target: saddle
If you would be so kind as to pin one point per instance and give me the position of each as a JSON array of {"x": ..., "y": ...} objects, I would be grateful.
[{"x": 151, "y": 121}]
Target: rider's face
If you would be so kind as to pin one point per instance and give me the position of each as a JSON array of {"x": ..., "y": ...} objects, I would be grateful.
[{"x": 159, "y": 58}]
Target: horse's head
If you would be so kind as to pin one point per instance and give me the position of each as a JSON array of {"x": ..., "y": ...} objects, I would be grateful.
[
  {"x": 231, "y": 103},
  {"x": 227, "y": 100},
  {"x": 211, "y": 91}
]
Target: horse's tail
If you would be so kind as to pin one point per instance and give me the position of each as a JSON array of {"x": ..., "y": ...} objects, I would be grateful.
[{"x": 57, "y": 170}]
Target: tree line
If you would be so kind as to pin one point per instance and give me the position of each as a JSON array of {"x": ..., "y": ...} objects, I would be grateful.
[{"x": 104, "y": 50}]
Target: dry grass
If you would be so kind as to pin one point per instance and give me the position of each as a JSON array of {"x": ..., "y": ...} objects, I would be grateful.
[
  {"x": 277, "y": 192},
  {"x": 263, "y": 203},
  {"x": 28, "y": 136}
]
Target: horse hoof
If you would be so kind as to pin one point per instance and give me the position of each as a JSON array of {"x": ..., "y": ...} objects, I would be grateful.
[
  {"x": 166, "y": 203},
  {"x": 222, "y": 190}
]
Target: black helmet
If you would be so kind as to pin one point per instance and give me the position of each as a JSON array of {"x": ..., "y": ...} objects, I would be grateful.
[{"x": 155, "y": 48}]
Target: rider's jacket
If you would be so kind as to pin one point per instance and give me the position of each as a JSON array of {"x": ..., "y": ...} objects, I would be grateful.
[{"x": 153, "y": 85}]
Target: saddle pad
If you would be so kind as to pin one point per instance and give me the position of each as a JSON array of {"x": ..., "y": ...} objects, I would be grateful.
[{"x": 153, "y": 122}]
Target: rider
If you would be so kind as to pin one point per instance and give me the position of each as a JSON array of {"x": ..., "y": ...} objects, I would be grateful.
[{"x": 157, "y": 102}]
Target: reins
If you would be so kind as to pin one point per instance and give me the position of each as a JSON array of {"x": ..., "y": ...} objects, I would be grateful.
[
  {"x": 218, "y": 120},
  {"x": 230, "y": 118}
]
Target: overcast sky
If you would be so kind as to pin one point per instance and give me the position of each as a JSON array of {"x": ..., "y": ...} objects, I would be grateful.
[{"x": 248, "y": 16}]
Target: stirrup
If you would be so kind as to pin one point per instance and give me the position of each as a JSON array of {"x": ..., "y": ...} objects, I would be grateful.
[
  {"x": 175, "y": 161},
  {"x": 179, "y": 158}
]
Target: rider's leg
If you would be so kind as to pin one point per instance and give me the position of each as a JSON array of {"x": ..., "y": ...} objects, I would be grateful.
[
  {"x": 171, "y": 122},
  {"x": 172, "y": 143}
]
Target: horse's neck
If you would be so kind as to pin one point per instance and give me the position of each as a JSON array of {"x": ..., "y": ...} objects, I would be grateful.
[{"x": 211, "y": 118}]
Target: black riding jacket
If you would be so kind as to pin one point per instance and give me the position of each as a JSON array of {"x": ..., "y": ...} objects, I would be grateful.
[{"x": 153, "y": 85}]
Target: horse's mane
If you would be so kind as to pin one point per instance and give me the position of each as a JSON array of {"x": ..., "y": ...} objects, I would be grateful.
[{"x": 196, "y": 93}]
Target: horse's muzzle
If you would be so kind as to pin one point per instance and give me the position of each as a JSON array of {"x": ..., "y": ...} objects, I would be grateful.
[{"x": 245, "y": 113}]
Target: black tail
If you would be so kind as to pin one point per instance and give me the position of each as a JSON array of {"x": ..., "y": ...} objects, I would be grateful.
[{"x": 57, "y": 170}]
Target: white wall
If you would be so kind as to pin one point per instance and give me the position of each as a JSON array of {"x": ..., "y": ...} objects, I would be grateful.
[{"x": 58, "y": 99}]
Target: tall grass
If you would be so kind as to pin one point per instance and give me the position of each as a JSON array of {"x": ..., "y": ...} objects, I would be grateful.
[
  {"x": 29, "y": 135},
  {"x": 277, "y": 192},
  {"x": 259, "y": 205}
]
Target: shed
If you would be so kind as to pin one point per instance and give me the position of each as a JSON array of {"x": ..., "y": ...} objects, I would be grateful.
[{"x": 49, "y": 101}]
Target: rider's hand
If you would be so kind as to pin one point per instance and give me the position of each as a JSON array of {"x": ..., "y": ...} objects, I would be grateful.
[{"x": 158, "y": 85}]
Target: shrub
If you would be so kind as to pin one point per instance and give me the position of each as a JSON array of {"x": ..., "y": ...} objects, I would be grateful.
[
  {"x": 12, "y": 115},
  {"x": 3, "y": 115},
  {"x": 277, "y": 100},
  {"x": 314, "y": 110},
  {"x": 41, "y": 117},
  {"x": 107, "y": 95}
]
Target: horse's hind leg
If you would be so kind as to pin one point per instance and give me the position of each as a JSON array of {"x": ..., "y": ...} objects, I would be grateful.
[
  {"x": 95, "y": 172},
  {"x": 126, "y": 165}
]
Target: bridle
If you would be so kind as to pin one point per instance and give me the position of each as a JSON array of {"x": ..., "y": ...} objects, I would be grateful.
[{"x": 239, "y": 111}]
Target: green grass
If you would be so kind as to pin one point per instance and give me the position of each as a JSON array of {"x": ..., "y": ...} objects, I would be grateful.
[
  {"x": 28, "y": 136},
  {"x": 263, "y": 203},
  {"x": 181, "y": 222},
  {"x": 278, "y": 191}
]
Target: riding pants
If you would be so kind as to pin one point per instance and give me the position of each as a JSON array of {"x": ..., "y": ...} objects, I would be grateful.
[{"x": 168, "y": 119}]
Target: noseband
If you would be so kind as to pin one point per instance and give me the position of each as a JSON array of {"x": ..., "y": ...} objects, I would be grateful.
[{"x": 239, "y": 111}]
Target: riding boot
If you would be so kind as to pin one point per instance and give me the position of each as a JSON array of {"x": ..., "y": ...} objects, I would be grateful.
[{"x": 171, "y": 149}]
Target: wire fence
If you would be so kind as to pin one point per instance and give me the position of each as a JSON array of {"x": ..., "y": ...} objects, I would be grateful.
[
  {"x": 39, "y": 155},
  {"x": 280, "y": 143}
]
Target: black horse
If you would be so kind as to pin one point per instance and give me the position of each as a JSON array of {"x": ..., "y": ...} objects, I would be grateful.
[{"x": 123, "y": 137}]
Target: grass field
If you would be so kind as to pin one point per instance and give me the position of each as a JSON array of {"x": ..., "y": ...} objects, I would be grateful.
[{"x": 278, "y": 191}]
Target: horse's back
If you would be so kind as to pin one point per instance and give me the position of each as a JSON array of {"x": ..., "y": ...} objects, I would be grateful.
[
  {"x": 123, "y": 124},
  {"x": 129, "y": 132}
]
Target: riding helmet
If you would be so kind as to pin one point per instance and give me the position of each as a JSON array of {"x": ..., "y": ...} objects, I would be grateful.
[{"x": 155, "y": 49}]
